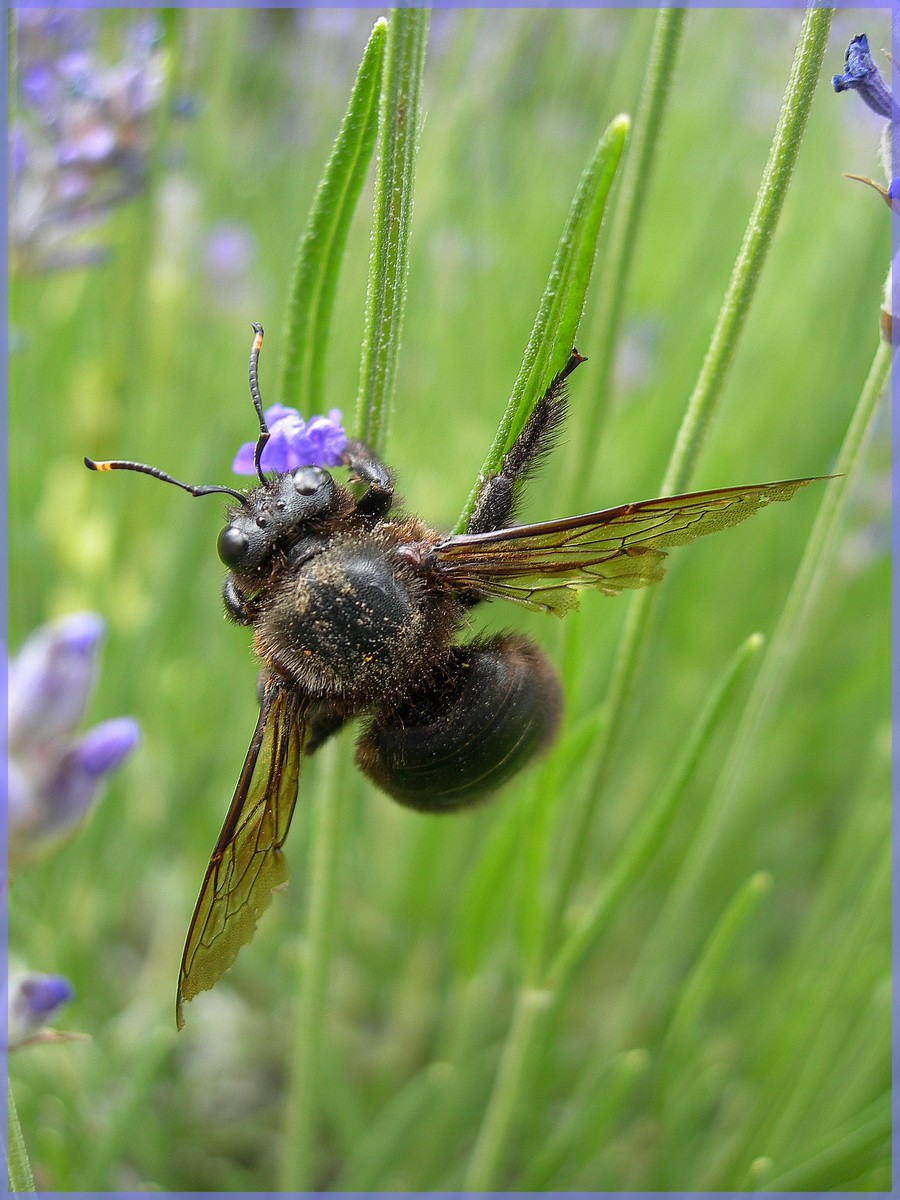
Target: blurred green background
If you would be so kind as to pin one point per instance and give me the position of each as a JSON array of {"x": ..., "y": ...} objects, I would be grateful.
[{"x": 144, "y": 356}]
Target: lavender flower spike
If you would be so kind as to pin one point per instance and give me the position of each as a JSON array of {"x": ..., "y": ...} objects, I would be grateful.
[
  {"x": 864, "y": 77},
  {"x": 51, "y": 679},
  {"x": 34, "y": 1001},
  {"x": 294, "y": 442},
  {"x": 53, "y": 779}
]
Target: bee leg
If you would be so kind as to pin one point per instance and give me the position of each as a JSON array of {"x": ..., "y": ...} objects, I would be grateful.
[
  {"x": 498, "y": 497},
  {"x": 323, "y": 721},
  {"x": 369, "y": 469},
  {"x": 495, "y": 705},
  {"x": 234, "y": 604}
]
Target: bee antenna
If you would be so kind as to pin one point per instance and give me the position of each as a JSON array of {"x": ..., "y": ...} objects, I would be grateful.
[
  {"x": 123, "y": 465},
  {"x": 258, "y": 335}
]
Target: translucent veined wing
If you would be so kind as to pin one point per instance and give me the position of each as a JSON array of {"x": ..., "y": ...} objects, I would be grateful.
[
  {"x": 247, "y": 862},
  {"x": 542, "y": 566}
]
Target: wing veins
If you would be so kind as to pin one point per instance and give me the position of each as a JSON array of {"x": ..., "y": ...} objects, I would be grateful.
[
  {"x": 612, "y": 549},
  {"x": 247, "y": 862}
]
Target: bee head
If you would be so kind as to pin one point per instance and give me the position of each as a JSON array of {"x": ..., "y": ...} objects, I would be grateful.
[{"x": 275, "y": 512}]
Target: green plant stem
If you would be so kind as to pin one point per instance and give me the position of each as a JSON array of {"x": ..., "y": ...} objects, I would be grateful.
[
  {"x": 648, "y": 836},
  {"x": 700, "y": 983},
  {"x": 683, "y": 1039},
  {"x": 528, "y": 1023},
  {"x": 634, "y": 187},
  {"x": 752, "y": 255},
  {"x": 297, "y": 1167},
  {"x": 20, "y": 1176},
  {"x": 320, "y": 249},
  {"x": 399, "y": 120},
  {"x": 603, "y": 1089},
  {"x": 855, "y": 1141},
  {"x": 512, "y": 1075},
  {"x": 702, "y": 405},
  {"x": 788, "y": 638},
  {"x": 562, "y": 304}
]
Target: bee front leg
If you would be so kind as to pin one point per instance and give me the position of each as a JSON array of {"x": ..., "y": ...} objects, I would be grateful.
[
  {"x": 235, "y": 609},
  {"x": 369, "y": 469}
]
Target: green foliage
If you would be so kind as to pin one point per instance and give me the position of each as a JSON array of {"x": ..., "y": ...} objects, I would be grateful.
[
  {"x": 324, "y": 242},
  {"x": 398, "y": 140},
  {"x": 668, "y": 974}
]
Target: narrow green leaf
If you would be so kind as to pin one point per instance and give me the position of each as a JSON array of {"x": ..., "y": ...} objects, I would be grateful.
[
  {"x": 303, "y": 1103},
  {"x": 703, "y": 402},
  {"x": 321, "y": 247},
  {"x": 553, "y": 334},
  {"x": 788, "y": 637},
  {"x": 646, "y": 839},
  {"x": 510, "y": 1085},
  {"x": 680, "y": 1039},
  {"x": 635, "y": 186},
  {"x": 397, "y": 148},
  {"x": 758, "y": 235},
  {"x": 19, "y": 1168},
  {"x": 860, "y": 1145},
  {"x": 603, "y": 1090},
  {"x": 485, "y": 899},
  {"x": 370, "y": 1166}
]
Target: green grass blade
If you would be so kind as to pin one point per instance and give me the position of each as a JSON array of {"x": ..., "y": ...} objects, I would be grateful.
[
  {"x": 861, "y": 1145},
  {"x": 646, "y": 839},
  {"x": 754, "y": 249},
  {"x": 701, "y": 406},
  {"x": 603, "y": 1091},
  {"x": 509, "y": 1087},
  {"x": 20, "y": 1176},
  {"x": 320, "y": 249},
  {"x": 784, "y": 647},
  {"x": 399, "y": 121},
  {"x": 553, "y": 334},
  {"x": 634, "y": 188},
  {"x": 372, "y": 1161},
  {"x": 299, "y": 1147},
  {"x": 701, "y": 982}
]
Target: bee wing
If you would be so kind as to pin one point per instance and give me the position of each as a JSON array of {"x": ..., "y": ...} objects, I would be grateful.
[
  {"x": 542, "y": 566},
  {"x": 247, "y": 862}
]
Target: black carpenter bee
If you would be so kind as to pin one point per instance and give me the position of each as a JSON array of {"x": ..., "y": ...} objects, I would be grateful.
[{"x": 356, "y": 612}]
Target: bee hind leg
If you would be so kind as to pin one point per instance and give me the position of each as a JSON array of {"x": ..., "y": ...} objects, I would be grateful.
[
  {"x": 322, "y": 723},
  {"x": 498, "y": 497}
]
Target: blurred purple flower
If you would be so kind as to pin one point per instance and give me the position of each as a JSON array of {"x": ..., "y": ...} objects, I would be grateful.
[
  {"x": 229, "y": 252},
  {"x": 85, "y": 125},
  {"x": 863, "y": 76},
  {"x": 18, "y": 150},
  {"x": 53, "y": 779},
  {"x": 294, "y": 442},
  {"x": 34, "y": 1001}
]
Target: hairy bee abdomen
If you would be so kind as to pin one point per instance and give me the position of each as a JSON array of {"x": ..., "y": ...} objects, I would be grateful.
[{"x": 498, "y": 704}]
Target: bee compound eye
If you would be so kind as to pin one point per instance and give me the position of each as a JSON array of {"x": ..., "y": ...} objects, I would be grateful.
[
  {"x": 309, "y": 479},
  {"x": 232, "y": 546}
]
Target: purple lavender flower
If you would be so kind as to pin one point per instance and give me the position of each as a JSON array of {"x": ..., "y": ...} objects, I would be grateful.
[
  {"x": 294, "y": 442},
  {"x": 863, "y": 76},
  {"x": 229, "y": 252},
  {"x": 53, "y": 779},
  {"x": 85, "y": 124},
  {"x": 34, "y": 1001}
]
